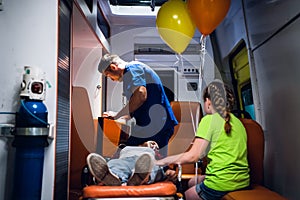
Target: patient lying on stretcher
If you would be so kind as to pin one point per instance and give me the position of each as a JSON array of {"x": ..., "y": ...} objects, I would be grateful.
[{"x": 134, "y": 165}]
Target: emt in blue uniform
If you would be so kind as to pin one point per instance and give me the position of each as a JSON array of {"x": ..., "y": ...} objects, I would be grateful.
[{"x": 148, "y": 103}]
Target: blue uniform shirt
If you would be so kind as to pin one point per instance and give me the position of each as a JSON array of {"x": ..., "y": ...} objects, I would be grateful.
[{"x": 154, "y": 119}]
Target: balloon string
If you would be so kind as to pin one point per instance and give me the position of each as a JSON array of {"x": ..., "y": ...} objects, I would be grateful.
[
  {"x": 178, "y": 65},
  {"x": 202, "y": 54},
  {"x": 179, "y": 60},
  {"x": 202, "y": 59}
]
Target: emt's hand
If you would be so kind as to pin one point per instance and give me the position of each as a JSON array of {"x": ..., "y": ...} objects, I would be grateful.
[{"x": 109, "y": 115}]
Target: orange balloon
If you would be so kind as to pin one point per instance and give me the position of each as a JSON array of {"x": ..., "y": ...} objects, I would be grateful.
[{"x": 208, "y": 14}]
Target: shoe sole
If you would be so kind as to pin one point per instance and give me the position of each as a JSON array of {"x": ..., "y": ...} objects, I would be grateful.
[
  {"x": 99, "y": 169},
  {"x": 142, "y": 170}
]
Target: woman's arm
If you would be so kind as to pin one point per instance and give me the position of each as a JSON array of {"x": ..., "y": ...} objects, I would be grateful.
[{"x": 196, "y": 152}]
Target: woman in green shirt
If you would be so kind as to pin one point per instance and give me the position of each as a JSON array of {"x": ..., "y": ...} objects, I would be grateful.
[{"x": 222, "y": 138}]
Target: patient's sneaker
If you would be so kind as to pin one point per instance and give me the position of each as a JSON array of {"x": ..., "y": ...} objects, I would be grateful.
[
  {"x": 99, "y": 169},
  {"x": 142, "y": 170}
]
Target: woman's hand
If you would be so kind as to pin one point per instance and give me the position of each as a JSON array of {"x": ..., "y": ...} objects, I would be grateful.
[{"x": 171, "y": 175}]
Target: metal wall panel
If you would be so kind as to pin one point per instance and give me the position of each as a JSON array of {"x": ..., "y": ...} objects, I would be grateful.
[
  {"x": 277, "y": 64},
  {"x": 63, "y": 106},
  {"x": 265, "y": 18}
]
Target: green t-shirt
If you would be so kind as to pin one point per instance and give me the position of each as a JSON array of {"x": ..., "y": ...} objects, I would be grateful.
[{"x": 227, "y": 167}]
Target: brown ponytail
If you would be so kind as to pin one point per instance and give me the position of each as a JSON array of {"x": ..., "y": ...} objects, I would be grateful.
[
  {"x": 222, "y": 99},
  {"x": 227, "y": 125}
]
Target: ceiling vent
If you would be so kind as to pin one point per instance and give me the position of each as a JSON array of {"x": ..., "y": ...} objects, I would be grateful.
[
  {"x": 163, "y": 49},
  {"x": 136, "y": 2},
  {"x": 151, "y": 3}
]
